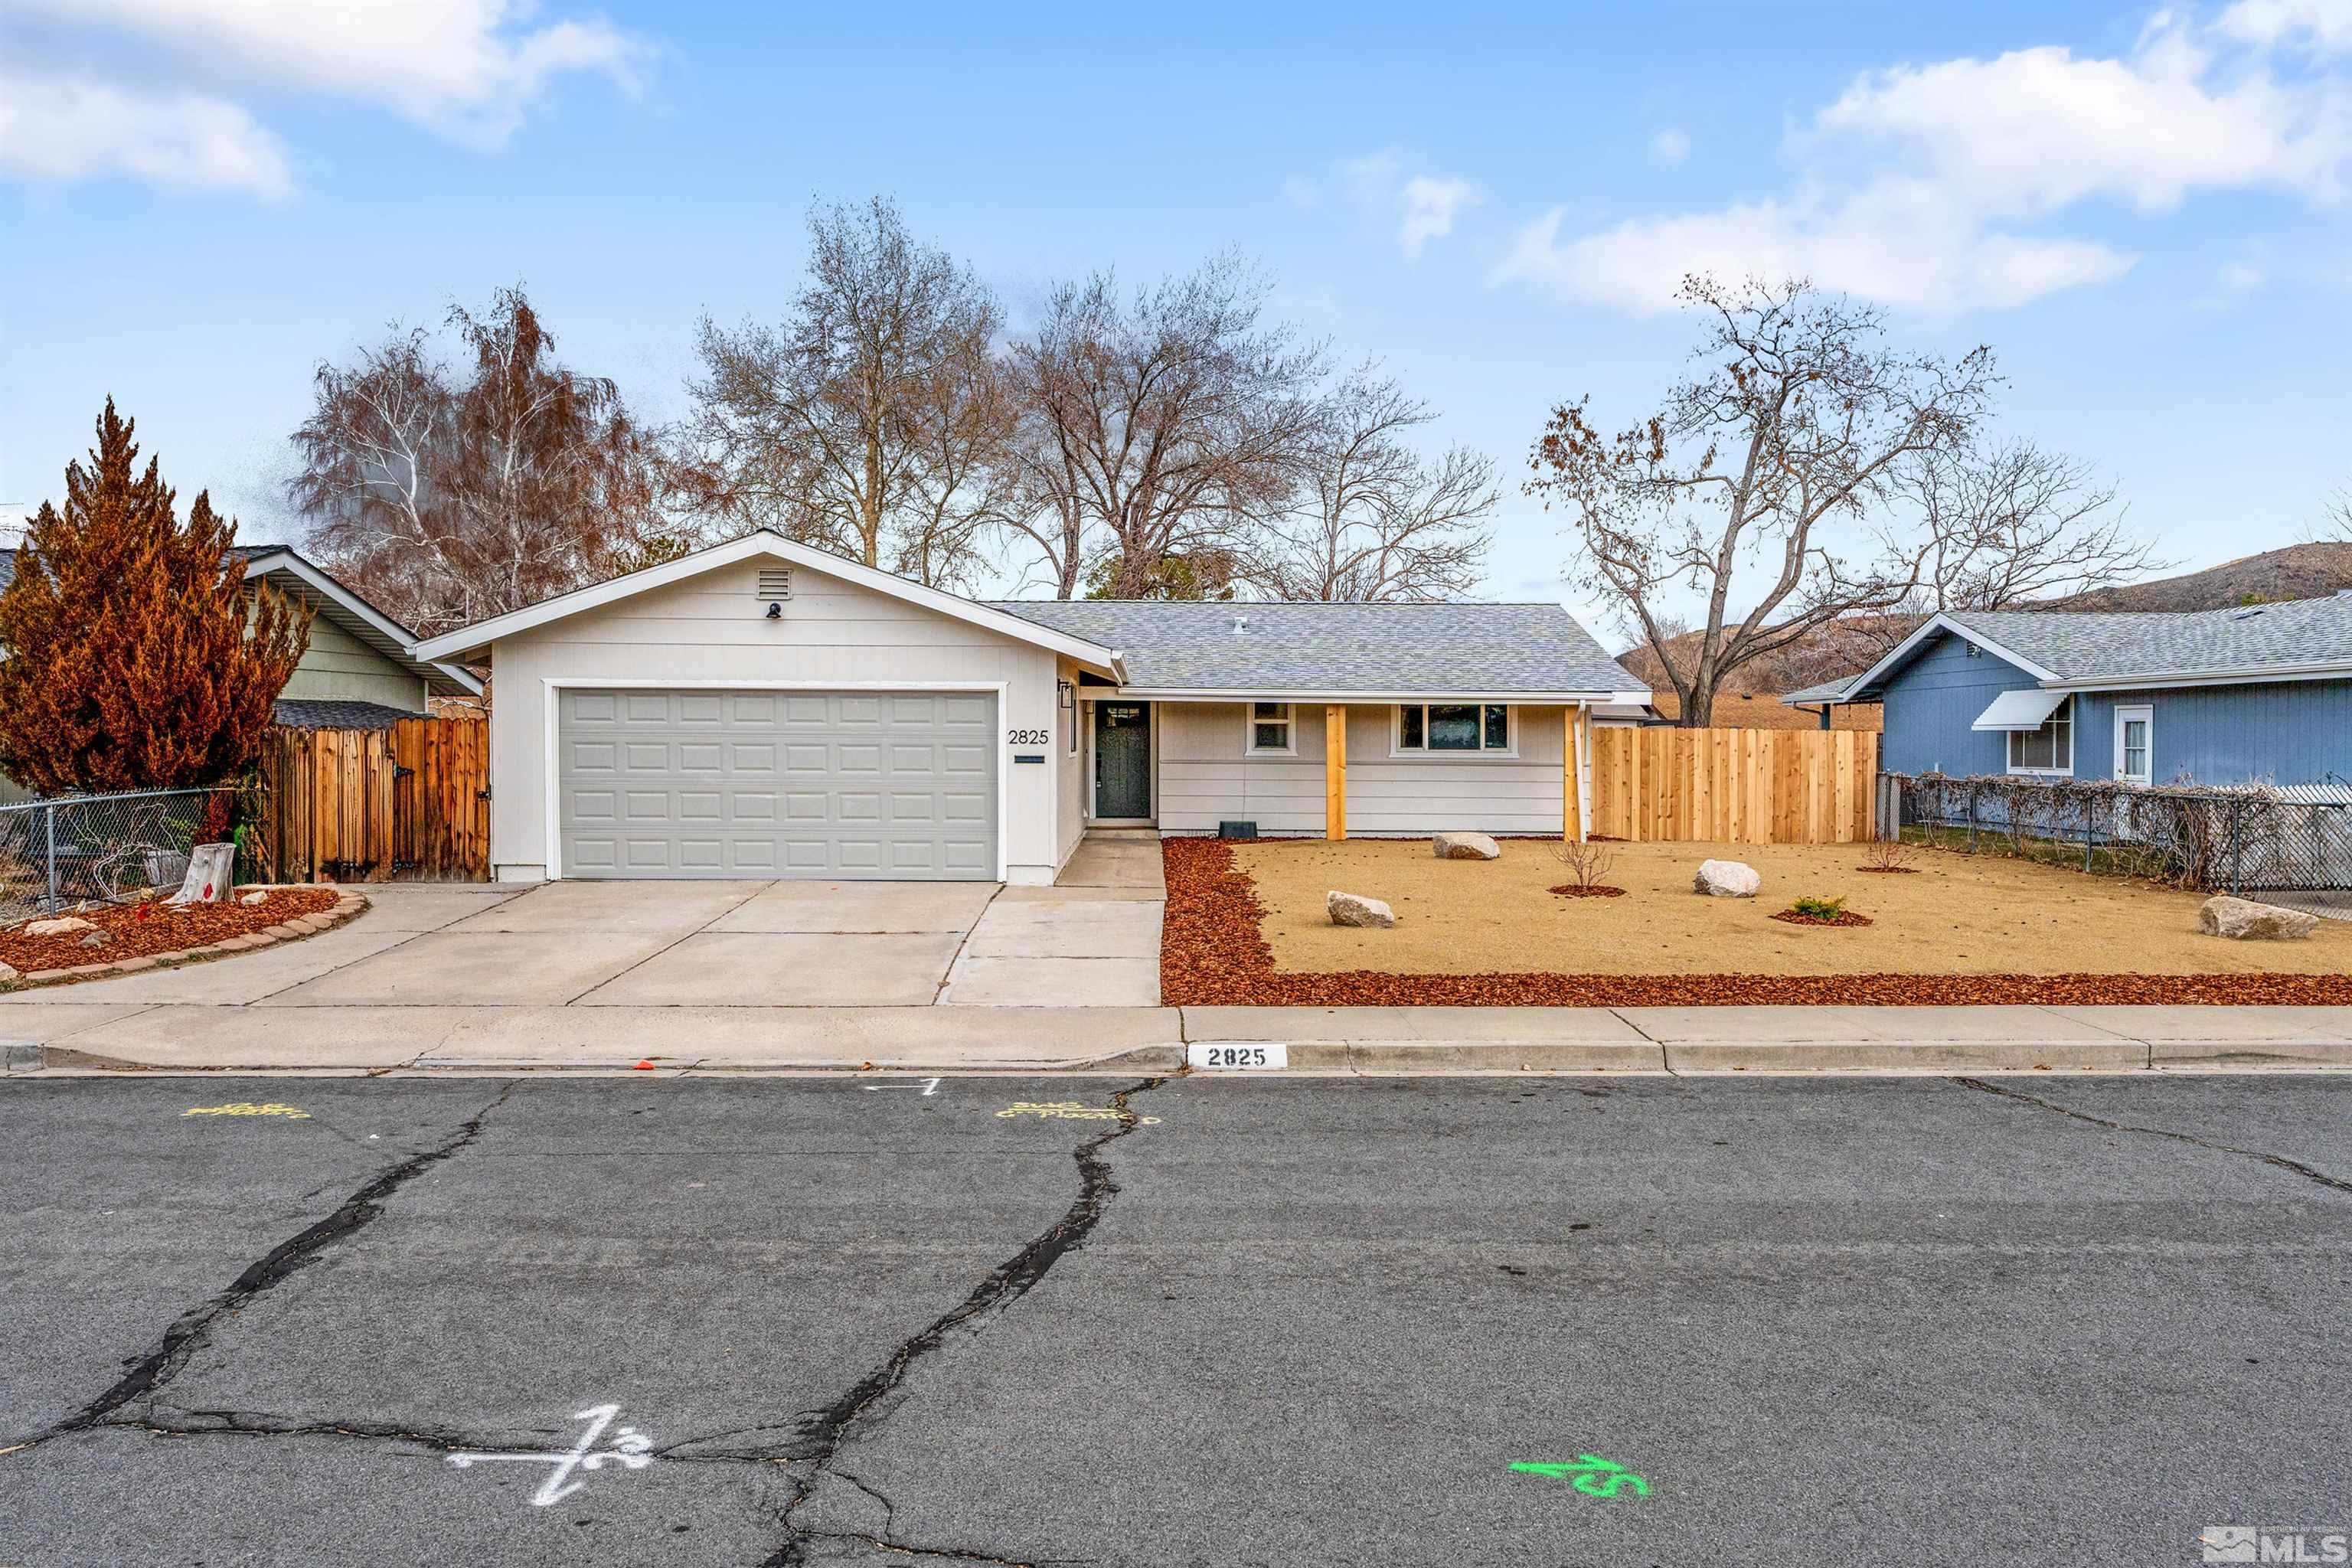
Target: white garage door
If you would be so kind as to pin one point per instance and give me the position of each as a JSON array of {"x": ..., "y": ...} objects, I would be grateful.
[{"x": 777, "y": 783}]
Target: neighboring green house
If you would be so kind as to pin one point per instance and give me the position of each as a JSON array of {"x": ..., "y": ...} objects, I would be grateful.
[{"x": 359, "y": 672}]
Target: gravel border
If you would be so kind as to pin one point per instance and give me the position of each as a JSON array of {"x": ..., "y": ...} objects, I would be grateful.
[
  {"x": 349, "y": 904},
  {"x": 1213, "y": 953}
]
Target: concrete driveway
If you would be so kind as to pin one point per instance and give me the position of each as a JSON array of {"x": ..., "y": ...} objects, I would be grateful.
[{"x": 1092, "y": 941}]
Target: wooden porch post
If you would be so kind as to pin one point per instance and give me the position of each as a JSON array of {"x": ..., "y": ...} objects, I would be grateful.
[
  {"x": 1575, "y": 766},
  {"x": 1335, "y": 772}
]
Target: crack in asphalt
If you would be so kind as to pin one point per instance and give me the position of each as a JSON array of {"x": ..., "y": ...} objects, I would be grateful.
[
  {"x": 156, "y": 1370},
  {"x": 2280, "y": 1161},
  {"x": 819, "y": 1434},
  {"x": 829, "y": 1429}
]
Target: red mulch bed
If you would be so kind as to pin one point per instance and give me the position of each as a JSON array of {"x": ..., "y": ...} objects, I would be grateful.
[
  {"x": 1213, "y": 954},
  {"x": 1842, "y": 918},
  {"x": 151, "y": 926},
  {"x": 1570, "y": 890}
]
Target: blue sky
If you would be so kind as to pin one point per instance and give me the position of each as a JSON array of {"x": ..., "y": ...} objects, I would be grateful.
[{"x": 2142, "y": 211}]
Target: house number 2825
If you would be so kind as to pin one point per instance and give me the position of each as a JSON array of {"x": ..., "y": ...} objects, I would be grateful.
[{"x": 1027, "y": 737}]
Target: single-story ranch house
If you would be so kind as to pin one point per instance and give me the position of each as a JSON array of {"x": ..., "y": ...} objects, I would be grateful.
[
  {"x": 762, "y": 709},
  {"x": 2259, "y": 693}
]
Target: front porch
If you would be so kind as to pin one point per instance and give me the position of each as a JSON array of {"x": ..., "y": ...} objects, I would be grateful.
[{"x": 1338, "y": 769}]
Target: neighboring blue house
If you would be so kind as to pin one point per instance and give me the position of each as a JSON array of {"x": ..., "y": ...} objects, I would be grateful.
[{"x": 2257, "y": 694}]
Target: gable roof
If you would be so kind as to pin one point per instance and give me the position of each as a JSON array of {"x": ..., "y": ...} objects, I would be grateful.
[
  {"x": 2296, "y": 639},
  {"x": 1306, "y": 650},
  {"x": 469, "y": 642},
  {"x": 291, "y": 573}
]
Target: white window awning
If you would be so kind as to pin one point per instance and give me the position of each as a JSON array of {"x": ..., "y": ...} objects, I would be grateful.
[{"x": 2029, "y": 709}]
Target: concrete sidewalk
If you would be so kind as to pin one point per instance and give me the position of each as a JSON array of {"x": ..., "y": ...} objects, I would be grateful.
[{"x": 50, "y": 1037}]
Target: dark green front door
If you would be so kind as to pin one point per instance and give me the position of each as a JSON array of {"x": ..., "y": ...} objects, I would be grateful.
[{"x": 1122, "y": 759}]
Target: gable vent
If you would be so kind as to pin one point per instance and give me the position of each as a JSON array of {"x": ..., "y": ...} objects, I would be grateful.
[{"x": 775, "y": 583}]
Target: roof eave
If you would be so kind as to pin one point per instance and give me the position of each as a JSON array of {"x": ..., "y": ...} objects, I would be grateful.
[
  {"x": 361, "y": 620},
  {"x": 2333, "y": 669}
]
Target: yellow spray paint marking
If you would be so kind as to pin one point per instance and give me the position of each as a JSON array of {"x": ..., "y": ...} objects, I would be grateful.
[
  {"x": 1071, "y": 1111},
  {"x": 243, "y": 1108}
]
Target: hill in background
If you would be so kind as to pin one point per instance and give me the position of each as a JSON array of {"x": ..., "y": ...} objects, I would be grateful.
[{"x": 2297, "y": 572}]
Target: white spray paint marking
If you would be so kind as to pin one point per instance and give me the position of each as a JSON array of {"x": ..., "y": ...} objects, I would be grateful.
[
  {"x": 926, "y": 1085},
  {"x": 630, "y": 1446}
]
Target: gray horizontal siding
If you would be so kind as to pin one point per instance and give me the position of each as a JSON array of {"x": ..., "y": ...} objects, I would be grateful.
[{"x": 1206, "y": 779}]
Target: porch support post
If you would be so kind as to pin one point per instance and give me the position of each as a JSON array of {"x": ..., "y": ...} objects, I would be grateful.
[
  {"x": 1576, "y": 771},
  {"x": 1335, "y": 772}
]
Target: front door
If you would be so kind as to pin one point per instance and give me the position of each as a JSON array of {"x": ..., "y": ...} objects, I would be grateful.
[
  {"x": 1123, "y": 760},
  {"x": 2134, "y": 745},
  {"x": 2135, "y": 760}
]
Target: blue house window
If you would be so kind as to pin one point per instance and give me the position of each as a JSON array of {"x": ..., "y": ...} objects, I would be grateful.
[{"x": 2049, "y": 749}]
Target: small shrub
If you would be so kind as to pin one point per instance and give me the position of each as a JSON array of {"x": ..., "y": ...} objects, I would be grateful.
[
  {"x": 1818, "y": 909},
  {"x": 1588, "y": 862},
  {"x": 1889, "y": 855}
]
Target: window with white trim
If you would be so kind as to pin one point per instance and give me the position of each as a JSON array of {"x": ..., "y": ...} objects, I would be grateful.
[
  {"x": 1273, "y": 731},
  {"x": 1453, "y": 727},
  {"x": 2049, "y": 749}
]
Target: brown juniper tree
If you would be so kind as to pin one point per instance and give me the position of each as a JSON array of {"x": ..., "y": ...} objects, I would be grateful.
[{"x": 135, "y": 660}]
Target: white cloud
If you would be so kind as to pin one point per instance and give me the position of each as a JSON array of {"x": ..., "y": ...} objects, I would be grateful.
[
  {"x": 1425, "y": 206},
  {"x": 1887, "y": 244},
  {"x": 466, "y": 68},
  {"x": 2323, "y": 25},
  {"x": 1429, "y": 206},
  {"x": 1670, "y": 146},
  {"x": 1919, "y": 178},
  {"x": 52, "y": 130}
]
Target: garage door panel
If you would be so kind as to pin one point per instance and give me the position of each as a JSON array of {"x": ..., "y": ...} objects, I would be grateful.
[{"x": 687, "y": 783}]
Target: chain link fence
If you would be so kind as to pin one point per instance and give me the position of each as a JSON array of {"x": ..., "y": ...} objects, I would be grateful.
[
  {"x": 103, "y": 848},
  {"x": 2236, "y": 839}
]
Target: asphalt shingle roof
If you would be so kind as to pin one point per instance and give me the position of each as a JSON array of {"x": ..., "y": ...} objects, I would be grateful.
[
  {"x": 1441, "y": 649},
  {"x": 2078, "y": 645},
  {"x": 318, "y": 713},
  {"x": 1827, "y": 692}
]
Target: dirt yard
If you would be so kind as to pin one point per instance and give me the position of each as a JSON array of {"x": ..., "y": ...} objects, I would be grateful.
[{"x": 1956, "y": 915}]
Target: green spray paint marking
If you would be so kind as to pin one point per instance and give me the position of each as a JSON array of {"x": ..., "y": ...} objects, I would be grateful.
[{"x": 1591, "y": 1475}]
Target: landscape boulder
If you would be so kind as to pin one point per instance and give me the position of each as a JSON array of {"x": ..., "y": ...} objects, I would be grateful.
[
  {"x": 1726, "y": 880},
  {"x": 63, "y": 925},
  {"x": 1355, "y": 909},
  {"x": 2247, "y": 920},
  {"x": 1465, "y": 847},
  {"x": 254, "y": 900},
  {"x": 96, "y": 939},
  {"x": 9, "y": 974}
]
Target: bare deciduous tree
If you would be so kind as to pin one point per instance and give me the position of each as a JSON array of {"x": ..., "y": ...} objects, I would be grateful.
[
  {"x": 2007, "y": 525},
  {"x": 1801, "y": 421},
  {"x": 1370, "y": 520},
  {"x": 446, "y": 502},
  {"x": 870, "y": 421},
  {"x": 1165, "y": 420}
]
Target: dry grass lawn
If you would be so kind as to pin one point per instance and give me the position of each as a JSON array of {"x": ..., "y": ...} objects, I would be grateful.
[{"x": 1957, "y": 914}]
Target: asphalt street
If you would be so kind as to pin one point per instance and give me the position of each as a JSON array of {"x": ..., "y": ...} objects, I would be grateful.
[{"x": 1212, "y": 1322}]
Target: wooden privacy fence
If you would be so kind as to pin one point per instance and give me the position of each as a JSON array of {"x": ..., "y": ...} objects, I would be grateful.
[
  {"x": 368, "y": 805},
  {"x": 1734, "y": 787}
]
